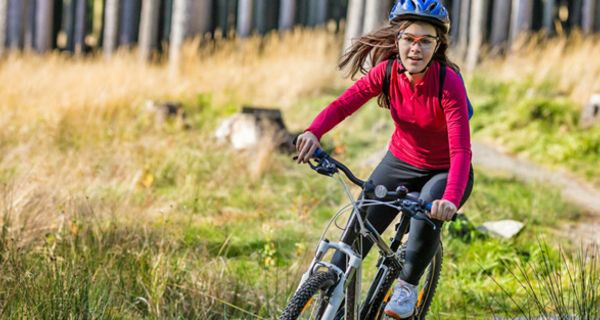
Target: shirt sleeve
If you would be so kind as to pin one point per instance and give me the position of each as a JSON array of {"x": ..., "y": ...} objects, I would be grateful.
[
  {"x": 454, "y": 102},
  {"x": 367, "y": 87}
]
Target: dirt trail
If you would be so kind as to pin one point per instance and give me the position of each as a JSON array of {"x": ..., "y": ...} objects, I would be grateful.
[{"x": 578, "y": 192}]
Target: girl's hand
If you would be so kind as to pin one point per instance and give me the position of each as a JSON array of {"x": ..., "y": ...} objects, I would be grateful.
[
  {"x": 306, "y": 144},
  {"x": 442, "y": 210}
]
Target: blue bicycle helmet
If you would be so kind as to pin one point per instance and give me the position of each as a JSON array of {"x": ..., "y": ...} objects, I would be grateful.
[{"x": 429, "y": 10}]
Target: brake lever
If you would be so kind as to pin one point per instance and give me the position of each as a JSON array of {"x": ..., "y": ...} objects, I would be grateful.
[{"x": 424, "y": 217}]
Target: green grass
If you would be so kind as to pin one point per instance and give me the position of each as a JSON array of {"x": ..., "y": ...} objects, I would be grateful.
[
  {"x": 532, "y": 120},
  {"x": 225, "y": 244},
  {"x": 107, "y": 215}
]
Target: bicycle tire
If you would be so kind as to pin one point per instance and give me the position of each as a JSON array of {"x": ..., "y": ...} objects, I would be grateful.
[
  {"x": 304, "y": 296},
  {"x": 425, "y": 295}
]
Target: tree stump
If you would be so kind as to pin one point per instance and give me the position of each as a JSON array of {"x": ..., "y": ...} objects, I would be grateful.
[{"x": 590, "y": 115}]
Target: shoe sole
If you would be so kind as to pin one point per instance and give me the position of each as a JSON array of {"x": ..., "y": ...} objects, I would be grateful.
[{"x": 395, "y": 315}]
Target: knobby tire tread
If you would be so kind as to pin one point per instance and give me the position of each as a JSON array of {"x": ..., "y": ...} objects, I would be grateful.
[
  {"x": 316, "y": 282},
  {"x": 433, "y": 276}
]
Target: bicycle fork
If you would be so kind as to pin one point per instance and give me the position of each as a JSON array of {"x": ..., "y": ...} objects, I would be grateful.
[{"x": 352, "y": 271}]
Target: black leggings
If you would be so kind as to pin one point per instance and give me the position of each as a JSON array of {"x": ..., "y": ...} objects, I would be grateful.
[{"x": 423, "y": 241}]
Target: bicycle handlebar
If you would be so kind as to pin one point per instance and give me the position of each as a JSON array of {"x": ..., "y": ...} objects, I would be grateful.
[{"x": 327, "y": 165}]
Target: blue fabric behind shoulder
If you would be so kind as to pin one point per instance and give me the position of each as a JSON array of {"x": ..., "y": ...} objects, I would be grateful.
[{"x": 469, "y": 105}]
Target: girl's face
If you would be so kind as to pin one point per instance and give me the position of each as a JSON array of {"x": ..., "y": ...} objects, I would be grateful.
[{"x": 416, "y": 45}]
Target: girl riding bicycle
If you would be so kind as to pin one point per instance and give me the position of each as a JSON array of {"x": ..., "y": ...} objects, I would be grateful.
[{"x": 430, "y": 149}]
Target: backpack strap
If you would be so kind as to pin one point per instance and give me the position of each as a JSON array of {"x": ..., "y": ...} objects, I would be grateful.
[
  {"x": 442, "y": 78},
  {"x": 386, "y": 80}
]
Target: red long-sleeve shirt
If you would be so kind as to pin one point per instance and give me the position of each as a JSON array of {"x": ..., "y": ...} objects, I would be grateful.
[{"x": 426, "y": 136}]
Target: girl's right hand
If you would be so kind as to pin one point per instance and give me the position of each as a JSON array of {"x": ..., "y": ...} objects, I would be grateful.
[{"x": 306, "y": 144}]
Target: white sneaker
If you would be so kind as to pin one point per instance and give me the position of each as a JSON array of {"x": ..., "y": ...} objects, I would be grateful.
[{"x": 403, "y": 301}]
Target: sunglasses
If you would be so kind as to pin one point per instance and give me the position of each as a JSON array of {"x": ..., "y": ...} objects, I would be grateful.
[{"x": 426, "y": 41}]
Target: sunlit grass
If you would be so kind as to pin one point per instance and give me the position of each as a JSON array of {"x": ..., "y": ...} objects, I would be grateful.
[{"x": 107, "y": 214}]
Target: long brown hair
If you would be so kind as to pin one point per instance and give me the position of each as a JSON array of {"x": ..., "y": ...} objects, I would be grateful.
[{"x": 380, "y": 45}]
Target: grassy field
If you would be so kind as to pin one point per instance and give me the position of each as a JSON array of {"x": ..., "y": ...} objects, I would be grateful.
[
  {"x": 530, "y": 103},
  {"x": 106, "y": 214}
]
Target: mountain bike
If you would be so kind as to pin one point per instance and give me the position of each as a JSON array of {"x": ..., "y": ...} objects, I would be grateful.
[{"x": 328, "y": 292}]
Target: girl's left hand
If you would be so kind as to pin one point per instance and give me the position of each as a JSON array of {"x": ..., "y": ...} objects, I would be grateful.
[{"x": 442, "y": 210}]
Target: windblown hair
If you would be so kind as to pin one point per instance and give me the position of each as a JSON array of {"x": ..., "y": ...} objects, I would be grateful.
[{"x": 380, "y": 45}]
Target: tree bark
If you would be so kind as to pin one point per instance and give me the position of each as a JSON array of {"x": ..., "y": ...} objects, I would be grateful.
[
  {"x": 318, "y": 12},
  {"x": 129, "y": 22},
  {"x": 477, "y": 31},
  {"x": 287, "y": 13},
  {"x": 244, "y": 23},
  {"x": 201, "y": 21},
  {"x": 260, "y": 18},
  {"x": 374, "y": 15},
  {"x": 111, "y": 27},
  {"x": 15, "y": 24},
  {"x": 588, "y": 16},
  {"x": 148, "y": 38},
  {"x": 500, "y": 23},
  {"x": 29, "y": 24},
  {"x": 354, "y": 22},
  {"x": 597, "y": 19},
  {"x": 43, "y": 25},
  {"x": 549, "y": 16},
  {"x": 575, "y": 13},
  {"x": 522, "y": 11},
  {"x": 456, "y": 22},
  {"x": 178, "y": 30},
  {"x": 80, "y": 21},
  {"x": 3, "y": 29},
  {"x": 463, "y": 33},
  {"x": 265, "y": 15}
]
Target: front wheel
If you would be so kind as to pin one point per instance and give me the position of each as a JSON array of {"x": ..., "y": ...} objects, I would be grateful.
[
  {"x": 310, "y": 300},
  {"x": 426, "y": 290}
]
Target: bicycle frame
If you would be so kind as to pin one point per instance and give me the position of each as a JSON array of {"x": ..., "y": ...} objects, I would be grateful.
[{"x": 354, "y": 265}]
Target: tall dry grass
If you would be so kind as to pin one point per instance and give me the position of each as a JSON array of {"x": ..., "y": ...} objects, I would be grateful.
[
  {"x": 74, "y": 126},
  {"x": 147, "y": 221},
  {"x": 569, "y": 63}
]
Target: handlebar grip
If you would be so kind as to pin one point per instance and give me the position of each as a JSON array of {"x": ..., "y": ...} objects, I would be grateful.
[
  {"x": 427, "y": 206},
  {"x": 319, "y": 153}
]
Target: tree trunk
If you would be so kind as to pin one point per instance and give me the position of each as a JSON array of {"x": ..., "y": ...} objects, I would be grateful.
[
  {"x": 29, "y": 25},
  {"x": 69, "y": 23},
  {"x": 287, "y": 13},
  {"x": 265, "y": 15},
  {"x": 354, "y": 22},
  {"x": 201, "y": 22},
  {"x": 549, "y": 16},
  {"x": 15, "y": 24},
  {"x": 244, "y": 23},
  {"x": 80, "y": 26},
  {"x": 111, "y": 27},
  {"x": 500, "y": 23},
  {"x": 178, "y": 30},
  {"x": 476, "y": 32},
  {"x": 455, "y": 18},
  {"x": 463, "y": 33},
  {"x": 148, "y": 38},
  {"x": 588, "y": 16},
  {"x": 597, "y": 20},
  {"x": 374, "y": 15},
  {"x": 575, "y": 13},
  {"x": 260, "y": 23},
  {"x": 318, "y": 12},
  {"x": 522, "y": 11},
  {"x": 3, "y": 18},
  {"x": 130, "y": 10},
  {"x": 43, "y": 25}
]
